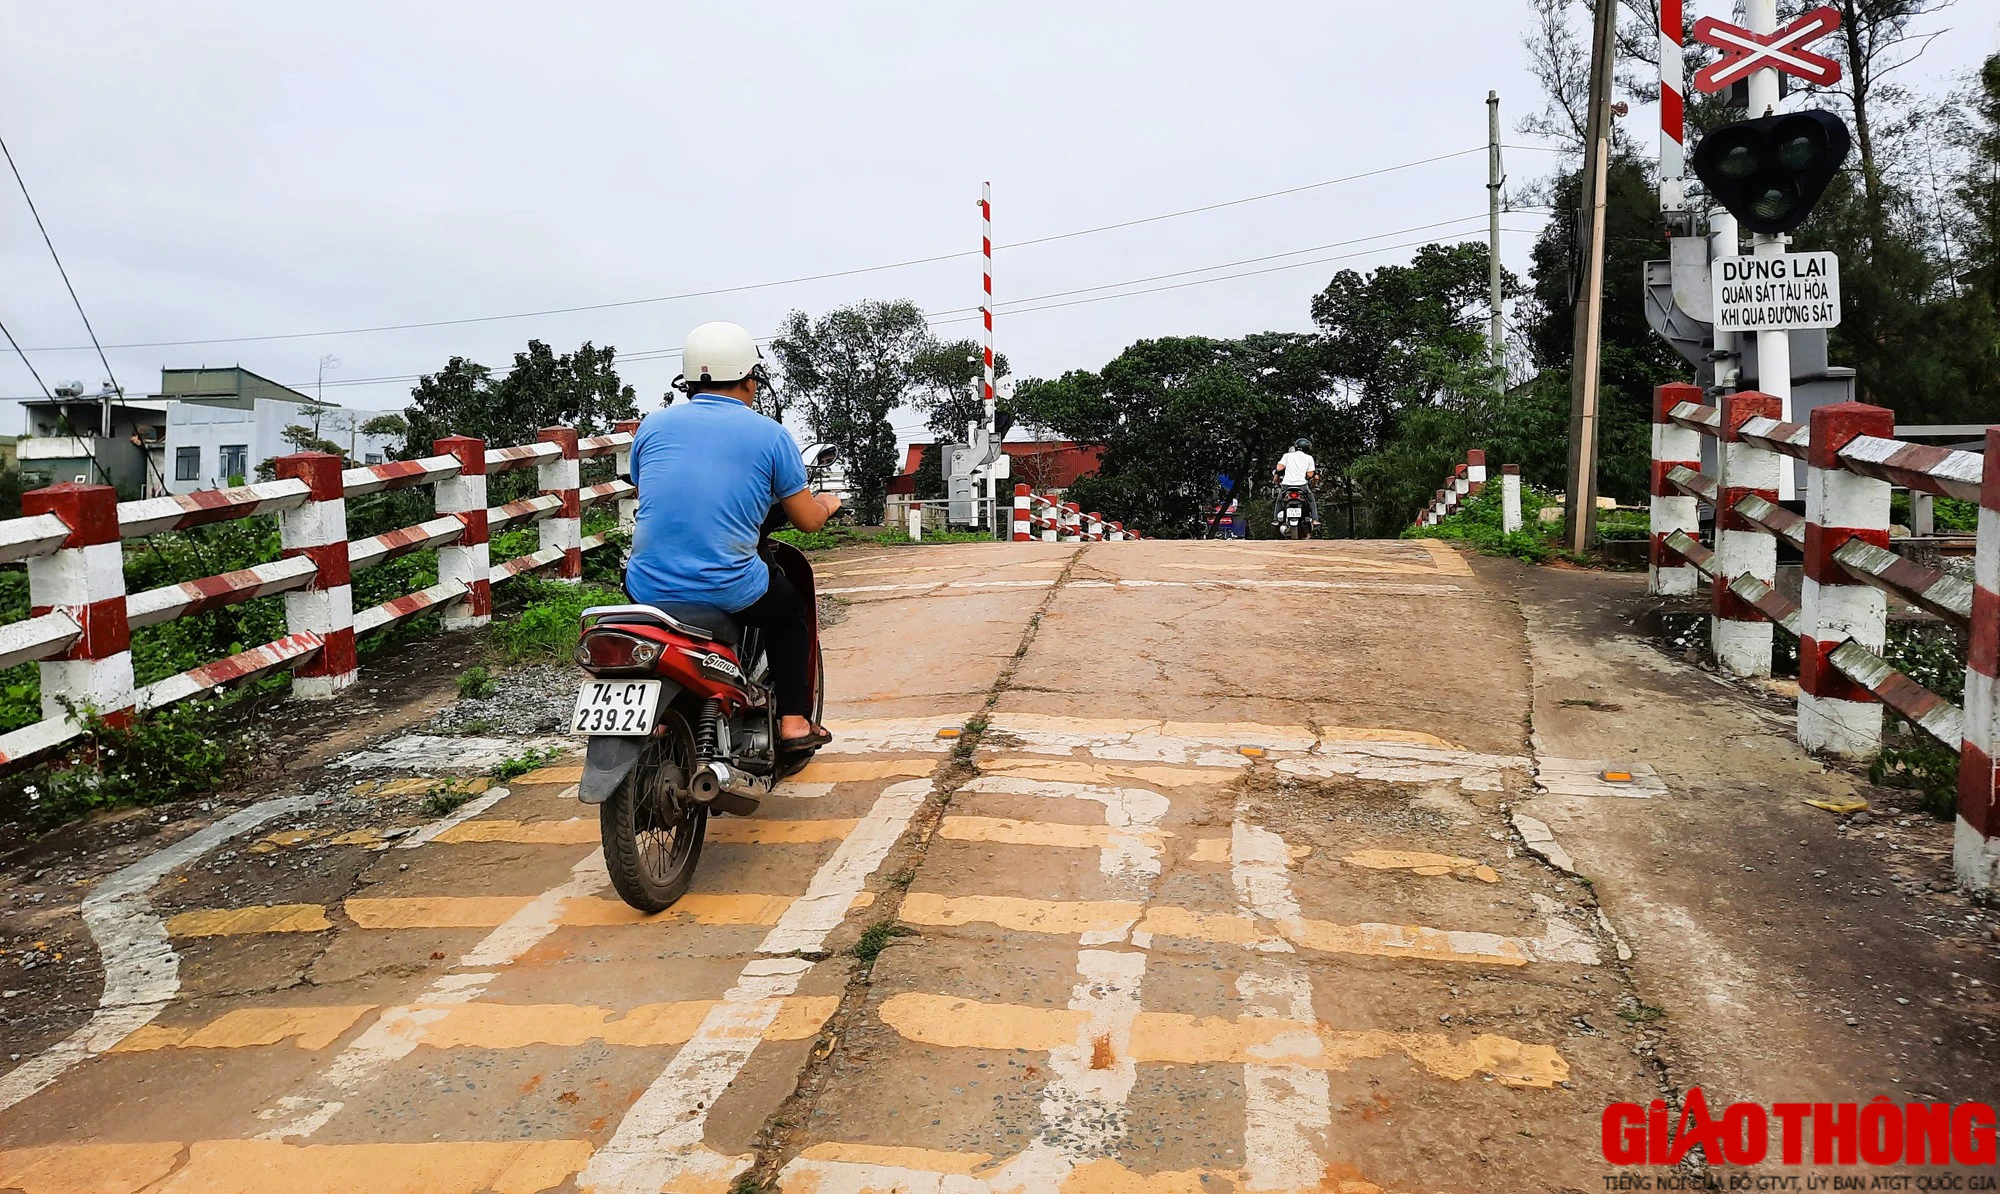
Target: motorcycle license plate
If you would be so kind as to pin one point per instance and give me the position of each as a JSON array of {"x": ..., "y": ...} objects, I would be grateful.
[
  {"x": 1295, "y": 511},
  {"x": 620, "y": 707}
]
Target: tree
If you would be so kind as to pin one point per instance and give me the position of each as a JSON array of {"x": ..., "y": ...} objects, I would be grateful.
[
  {"x": 948, "y": 376},
  {"x": 847, "y": 370},
  {"x": 388, "y": 423},
  {"x": 579, "y": 389},
  {"x": 307, "y": 439}
]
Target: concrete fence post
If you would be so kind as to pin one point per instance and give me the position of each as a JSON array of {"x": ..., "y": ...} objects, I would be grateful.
[
  {"x": 1118, "y": 534},
  {"x": 1072, "y": 522},
  {"x": 1976, "y": 839},
  {"x": 467, "y": 560},
  {"x": 628, "y": 507},
  {"x": 562, "y": 477},
  {"x": 1923, "y": 513},
  {"x": 84, "y": 578},
  {"x": 1023, "y": 531},
  {"x": 1673, "y": 444},
  {"x": 318, "y": 531},
  {"x": 1051, "y": 520},
  {"x": 1837, "y": 715},
  {"x": 1094, "y": 526},
  {"x": 1510, "y": 498},
  {"x": 1475, "y": 470},
  {"x": 1740, "y": 635}
]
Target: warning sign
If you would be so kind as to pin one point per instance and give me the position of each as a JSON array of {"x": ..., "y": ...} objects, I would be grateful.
[{"x": 1769, "y": 294}]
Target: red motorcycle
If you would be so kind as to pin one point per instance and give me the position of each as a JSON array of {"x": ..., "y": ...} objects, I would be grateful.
[{"x": 681, "y": 719}]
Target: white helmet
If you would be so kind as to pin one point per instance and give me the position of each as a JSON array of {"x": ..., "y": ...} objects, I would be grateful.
[{"x": 723, "y": 352}]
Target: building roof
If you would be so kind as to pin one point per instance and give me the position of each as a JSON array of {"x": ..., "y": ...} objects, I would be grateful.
[
  {"x": 1043, "y": 464},
  {"x": 230, "y": 386}
]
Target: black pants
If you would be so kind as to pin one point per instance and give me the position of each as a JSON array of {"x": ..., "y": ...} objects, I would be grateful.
[{"x": 781, "y": 614}]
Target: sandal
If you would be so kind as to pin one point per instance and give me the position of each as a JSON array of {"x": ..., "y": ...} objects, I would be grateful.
[{"x": 813, "y": 741}]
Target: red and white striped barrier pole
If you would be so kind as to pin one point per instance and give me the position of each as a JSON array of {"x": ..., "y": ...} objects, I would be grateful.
[
  {"x": 986, "y": 302},
  {"x": 1836, "y": 714},
  {"x": 318, "y": 531},
  {"x": 562, "y": 477},
  {"x": 1739, "y": 633},
  {"x": 85, "y": 579},
  {"x": 468, "y": 560},
  {"x": 1094, "y": 526},
  {"x": 1023, "y": 531},
  {"x": 1673, "y": 446},
  {"x": 1475, "y": 470},
  {"x": 1673, "y": 117},
  {"x": 1051, "y": 518},
  {"x": 628, "y": 507},
  {"x": 1976, "y": 839},
  {"x": 1072, "y": 523}
]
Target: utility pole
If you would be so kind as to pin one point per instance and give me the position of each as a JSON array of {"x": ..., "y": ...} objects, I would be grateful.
[
  {"x": 1582, "y": 493},
  {"x": 1494, "y": 178},
  {"x": 1774, "y": 348}
]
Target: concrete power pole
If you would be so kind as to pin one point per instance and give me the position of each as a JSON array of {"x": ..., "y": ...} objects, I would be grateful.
[
  {"x": 1582, "y": 493},
  {"x": 1497, "y": 333}
]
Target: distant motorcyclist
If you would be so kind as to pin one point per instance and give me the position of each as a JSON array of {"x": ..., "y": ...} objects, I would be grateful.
[{"x": 1296, "y": 470}]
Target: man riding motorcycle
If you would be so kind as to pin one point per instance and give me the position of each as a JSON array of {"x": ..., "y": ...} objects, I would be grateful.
[
  {"x": 1296, "y": 469},
  {"x": 709, "y": 470}
]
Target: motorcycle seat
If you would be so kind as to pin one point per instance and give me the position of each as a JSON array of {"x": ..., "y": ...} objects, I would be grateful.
[{"x": 724, "y": 626}]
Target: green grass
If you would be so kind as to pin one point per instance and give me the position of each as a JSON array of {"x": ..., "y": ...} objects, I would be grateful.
[
  {"x": 475, "y": 682},
  {"x": 525, "y": 762},
  {"x": 444, "y": 800},
  {"x": 875, "y": 938},
  {"x": 828, "y": 538},
  {"x": 546, "y": 626}
]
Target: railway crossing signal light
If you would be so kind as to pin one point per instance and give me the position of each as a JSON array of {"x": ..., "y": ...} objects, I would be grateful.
[{"x": 1770, "y": 172}]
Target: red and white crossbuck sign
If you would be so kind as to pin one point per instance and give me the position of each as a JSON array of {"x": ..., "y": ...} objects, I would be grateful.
[{"x": 1744, "y": 52}]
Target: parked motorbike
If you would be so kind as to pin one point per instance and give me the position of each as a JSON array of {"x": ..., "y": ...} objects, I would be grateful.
[
  {"x": 681, "y": 722},
  {"x": 1293, "y": 521}
]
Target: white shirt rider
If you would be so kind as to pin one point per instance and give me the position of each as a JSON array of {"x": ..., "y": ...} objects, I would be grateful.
[{"x": 1297, "y": 467}]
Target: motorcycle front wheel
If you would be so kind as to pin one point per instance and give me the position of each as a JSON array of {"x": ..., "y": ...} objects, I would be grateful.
[{"x": 652, "y": 830}]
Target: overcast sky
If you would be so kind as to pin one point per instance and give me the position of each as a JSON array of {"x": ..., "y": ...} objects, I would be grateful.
[{"x": 216, "y": 171}]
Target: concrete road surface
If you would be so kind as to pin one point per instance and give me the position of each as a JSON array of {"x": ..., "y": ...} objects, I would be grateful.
[{"x": 1141, "y": 866}]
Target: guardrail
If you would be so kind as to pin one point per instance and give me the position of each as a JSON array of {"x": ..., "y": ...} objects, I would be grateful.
[
  {"x": 1054, "y": 521},
  {"x": 1468, "y": 479},
  {"x": 72, "y": 538},
  {"x": 1852, "y": 463}
]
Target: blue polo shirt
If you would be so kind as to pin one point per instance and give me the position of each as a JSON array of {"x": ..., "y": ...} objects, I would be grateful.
[{"x": 708, "y": 470}]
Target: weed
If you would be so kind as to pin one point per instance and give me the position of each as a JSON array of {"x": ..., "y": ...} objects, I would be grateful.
[
  {"x": 1643, "y": 1013},
  {"x": 525, "y": 762},
  {"x": 163, "y": 755},
  {"x": 478, "y": 726},
  {"x": 748, "y": 1184},
  {"x": 1477, "y": 522},
  {"x": 1911, "y": 760},
  {"x": 903, "y": 878},
  {"x": 476, "y": 682},
  {"x": 547, "y": 623},
  {"x": 443, "y": 800},
  {"x": 875, "y": 939}
]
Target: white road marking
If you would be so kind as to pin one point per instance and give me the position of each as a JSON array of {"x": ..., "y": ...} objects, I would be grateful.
[
  {"x": 400, "y": 1029},
  {"x": 892, "y": 735},
  {"x": 1406, "y": 763},
  {"x": 659, "y": 1144},
  {"x": 1288, "y": 1109},
  {"x": 141, "y": 970},
  {"x": 464, "y": 812},
  {"x": 1084, "y": 1105},
  {"x": 428, "y": 754}
]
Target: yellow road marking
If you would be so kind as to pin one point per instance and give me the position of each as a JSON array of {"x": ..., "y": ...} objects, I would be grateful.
[
  {"x": 1174, "y": 1039},
  {"x": 1421, "y": 863},
  {"x": 311, "y": 1028},
  {"x": 286, "y": 838},
  {"x": 1447, "y": 559},
  {"x": 1216, "y": 849},
  {"x": 849, "y": 1169},
  {"x": 577, "y": 831},
  {"x": 514, "y": 1026},
  {"x": 929, "y": 1160},
  {"x": 1064, "y": 917},
  {"x": 1010, "y": 832},
  {"x": 260, "y": 918},
  {"x": 835, "y": 771},
  {"x": 554, "y": 773},
  {"x": 1085, "y": 771},
  {"x": 260, "y": 1166},
  {"x": 482, "y": 912}
]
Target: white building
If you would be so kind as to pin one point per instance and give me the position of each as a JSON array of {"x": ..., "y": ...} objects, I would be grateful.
[{"x": 212, "y": 446}]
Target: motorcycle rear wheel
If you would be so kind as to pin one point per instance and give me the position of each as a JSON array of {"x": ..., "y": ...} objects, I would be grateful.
[{"x": 652, "y": 830}]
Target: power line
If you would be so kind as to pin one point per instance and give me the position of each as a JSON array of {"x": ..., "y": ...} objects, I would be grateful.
[
  {"x": 846, "y": 273},
  {"x": 967, "y": 314}
]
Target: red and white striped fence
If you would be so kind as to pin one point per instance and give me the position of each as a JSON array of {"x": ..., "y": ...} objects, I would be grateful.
[
  {"x": 1468, "y": 479},
  {"x": 1852, "y": 463},
  {"x": 79, "y": 625},
  {"x": 1052, "y": 520}
]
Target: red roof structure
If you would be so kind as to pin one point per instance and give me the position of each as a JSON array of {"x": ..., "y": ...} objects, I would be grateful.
[{"x": 1045, "y": 466}]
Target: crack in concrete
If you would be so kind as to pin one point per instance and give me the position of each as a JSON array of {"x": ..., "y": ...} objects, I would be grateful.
[{"x": 785, "y": 1125}]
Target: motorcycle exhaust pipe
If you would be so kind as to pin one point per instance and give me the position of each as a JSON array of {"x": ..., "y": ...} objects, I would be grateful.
[{"x": 722, "y": 787}]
